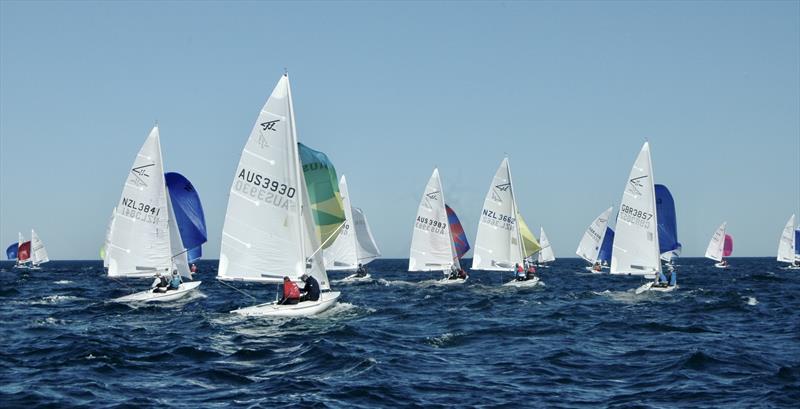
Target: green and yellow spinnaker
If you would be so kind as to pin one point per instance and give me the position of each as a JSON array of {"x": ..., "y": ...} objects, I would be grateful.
[
  {"x": 529, "y": 243},
  {"x": 323, "y": 192}
]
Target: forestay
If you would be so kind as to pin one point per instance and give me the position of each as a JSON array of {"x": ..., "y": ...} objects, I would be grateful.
[
  {"x": 636, "y": 249},
  {"x": 268, "y": 232},
  {"x": 431, "y": 242},
  {"x": 715, "y": 246},
  {"x": 498, "y": 244},
  {"x": 139, "y": 244},
  {"x": 589, "y": 247}
]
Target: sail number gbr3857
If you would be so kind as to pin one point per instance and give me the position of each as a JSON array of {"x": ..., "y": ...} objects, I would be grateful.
[
  {"x": 140, "y": 211},
  {"x": 635, "y": 216}
]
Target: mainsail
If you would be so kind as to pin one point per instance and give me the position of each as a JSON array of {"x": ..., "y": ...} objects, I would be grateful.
[
  {"x": 431, "y": 243},
  {"x": 498, "y": 245},
  {"x": 139, "y": 243},
  {"x": 268, "y": 231},
  {"x": 546, "y": 254},
  {"x": 636, "y": 248},
  {"x": 786, "y": 243},
  {"x": 104, "y": 247},
  {"x": 668, "y": 244},
  {"x": 715, "y": 246},
  {"x": 589, "y": 247},
  {"x": 38, "y": 252}
]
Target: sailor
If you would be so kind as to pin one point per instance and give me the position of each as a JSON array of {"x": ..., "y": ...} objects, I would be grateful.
[
  {"x": 175, "y": 283},
  {"x": 362, "y": 271},
  {"x": 193, "y": 269},
  {"x": 596, "y": 266},
  {"x": 520, "y": 272},
  {"x": 462, "y": 274},
  {"x": 531, "y": 272},
  {"x": 291, "y": 293},
  {"x": 160, "y": 284},
  {"x": 453, "y": 273},
  {"x": 311, "y": 289}
]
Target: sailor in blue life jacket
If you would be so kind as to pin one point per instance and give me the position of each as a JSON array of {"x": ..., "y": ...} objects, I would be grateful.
[
  {"x": 160, "y": 284},
  {"x": 175, "y": 283},
  {"x": 311, "y": 289}
]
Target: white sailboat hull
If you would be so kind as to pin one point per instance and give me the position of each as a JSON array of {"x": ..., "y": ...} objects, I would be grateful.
[
  {"x": 447, "y": 281},
  {"x": 150, "y": 296},
  {"x": 354, "y": 278},
  {"x": 592, "y": 270},
  {"x": 527, "y": 283},
  {"x": 650, "y": 287},
  {"x": 303, "y": 309},
  {"x": 720, "y": 265}
]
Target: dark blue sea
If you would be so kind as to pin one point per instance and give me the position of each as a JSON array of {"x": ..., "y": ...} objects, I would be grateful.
[{"x": 723, "y": 339}]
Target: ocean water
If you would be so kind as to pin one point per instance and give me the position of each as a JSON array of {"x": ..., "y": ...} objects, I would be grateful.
[{"x": 723, "y": 339}]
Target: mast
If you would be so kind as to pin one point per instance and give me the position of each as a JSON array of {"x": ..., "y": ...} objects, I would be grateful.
[
  {"x": 301, "y": 181},
  {"x": 520, "y": 244}
]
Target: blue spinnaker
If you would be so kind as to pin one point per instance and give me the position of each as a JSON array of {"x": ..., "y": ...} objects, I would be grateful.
[
  {"x": 604, "y": 255},
  {"x": 11, "y": 251},
  {"x": 797, "y": 242},
  {"x": 667, "y": 222},
  {"x": 188, "y": 213}
]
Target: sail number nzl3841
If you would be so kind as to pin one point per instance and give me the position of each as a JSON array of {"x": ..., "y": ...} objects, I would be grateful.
[{"x": 140, "y": 211}]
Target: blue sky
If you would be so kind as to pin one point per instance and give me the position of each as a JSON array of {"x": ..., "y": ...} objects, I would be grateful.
[{"x": 569, "y": 90}]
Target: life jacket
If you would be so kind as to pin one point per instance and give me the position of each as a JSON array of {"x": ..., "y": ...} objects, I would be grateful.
[
  {"x": 176, "y": 282},
  {"x": 290, "y": 290}
]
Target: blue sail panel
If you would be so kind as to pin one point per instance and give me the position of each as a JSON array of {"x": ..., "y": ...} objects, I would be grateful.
[
  {"x": 797, "y": 242},
  {"x": 195, "y": 253},
  {"x": 459, "y": 237},
  {"x": 11, "y": 251},
  {"x": 188, "y": 213},
  {"x": 604, "y": 255},
  {"x": 667, "y": 221}
]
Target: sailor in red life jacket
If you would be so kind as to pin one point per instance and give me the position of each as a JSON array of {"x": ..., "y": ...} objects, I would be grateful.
[
  {"x": 193, "y": 269},
  {"x": 520, "y": 272},
  {"x": 291, "y": 293},
  {"x": 531, "y": 271}
]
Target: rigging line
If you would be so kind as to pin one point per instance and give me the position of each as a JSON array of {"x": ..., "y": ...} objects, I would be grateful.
[
  {"x": 326, "y": 240},
  {"x": 241, "y": 291}
]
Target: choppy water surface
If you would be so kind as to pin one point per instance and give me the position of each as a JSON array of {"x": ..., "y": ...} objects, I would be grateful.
[{"x": 724, "y": 338}]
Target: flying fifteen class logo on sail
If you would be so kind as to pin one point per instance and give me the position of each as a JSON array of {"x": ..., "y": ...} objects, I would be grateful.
[
  {"x": 431, "y": 196},
  {"x": 636, "y": 183},
  {"x": 266, "y": 126},
  {"x": 139, "y": 173}
]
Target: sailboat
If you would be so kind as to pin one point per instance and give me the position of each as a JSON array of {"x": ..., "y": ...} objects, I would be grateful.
[
  {"x": 354, "y": 246},
  {"x": 789, "y": 245},
  {"x": 38, "y": 252},
  {"x": 720, "y": 246},
  {"x": 499, "y": 242},
  {"x": 592, "y": 241},
  {"x": 546, "y": 254},
  {"x": 636, "y": 248},
  {"x": 269, "y": 232},
  {"x": 144, "y": 240},
  {"x": 23, "y": 254},
  {"x": 432, "y": 242}
]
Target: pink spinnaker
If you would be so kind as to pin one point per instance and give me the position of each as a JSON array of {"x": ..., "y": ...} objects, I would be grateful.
[{"x": 727, "y": 249}]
